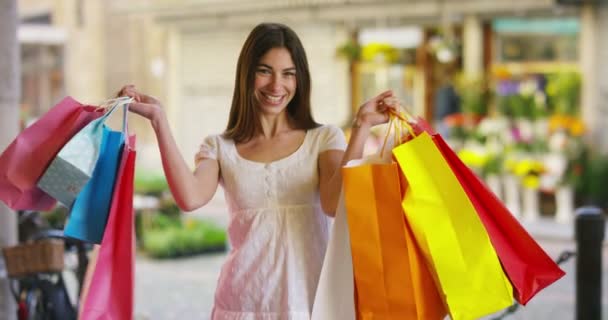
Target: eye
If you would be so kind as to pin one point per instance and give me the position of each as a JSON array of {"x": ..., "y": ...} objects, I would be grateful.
[
  {"x": 263, "y": 71},
  {"x": 290, "y": 73}
]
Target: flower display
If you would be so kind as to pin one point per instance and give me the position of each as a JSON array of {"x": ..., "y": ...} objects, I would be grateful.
[
  {"x": 380, "y": 52},
  {"x": 529, "y": 170},
  {"x": 567, "y": 145}
]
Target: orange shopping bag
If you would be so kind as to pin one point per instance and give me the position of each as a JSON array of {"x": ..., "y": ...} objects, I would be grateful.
[{"x": 392, "y": 280}]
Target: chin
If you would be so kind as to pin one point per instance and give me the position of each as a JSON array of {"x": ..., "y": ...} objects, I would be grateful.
[{"x": 273, "y": 109}]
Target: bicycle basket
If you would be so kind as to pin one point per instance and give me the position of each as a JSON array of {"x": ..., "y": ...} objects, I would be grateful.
[{"x": 34, "y": 257}]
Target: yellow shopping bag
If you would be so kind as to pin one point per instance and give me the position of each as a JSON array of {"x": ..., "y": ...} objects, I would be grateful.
[
  {"x": 450, "y": 234},
  {"x": 392, "y": 279}
]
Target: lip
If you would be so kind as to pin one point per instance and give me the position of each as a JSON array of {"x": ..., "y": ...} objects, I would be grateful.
[{"x": 271, "y": 99}]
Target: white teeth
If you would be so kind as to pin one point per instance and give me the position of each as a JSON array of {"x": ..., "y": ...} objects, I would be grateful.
[{"x": 273, "y": 99}]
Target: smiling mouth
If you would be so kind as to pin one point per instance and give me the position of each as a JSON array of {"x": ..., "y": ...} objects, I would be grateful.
[{"x": 272, "y": 99}]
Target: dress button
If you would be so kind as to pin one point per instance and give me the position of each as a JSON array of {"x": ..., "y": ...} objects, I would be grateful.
[
  {"x": 268, "y": 193},
  {"x": 267, "y": 166},
  {"x": 267, "y": 179}
]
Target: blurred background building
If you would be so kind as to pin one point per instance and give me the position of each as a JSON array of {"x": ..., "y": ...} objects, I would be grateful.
[{"x": 514, "y": 84}]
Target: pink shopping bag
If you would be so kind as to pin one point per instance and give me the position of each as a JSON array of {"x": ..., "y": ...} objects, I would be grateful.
[
  {"x": 26, "y": 158},
  {"x": 110, "y": 292}
]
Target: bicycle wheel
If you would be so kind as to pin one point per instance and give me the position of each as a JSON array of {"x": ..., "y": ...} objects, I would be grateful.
[
  {"x": 56, "y": 300},
  {"x": 35, "y": 305}
]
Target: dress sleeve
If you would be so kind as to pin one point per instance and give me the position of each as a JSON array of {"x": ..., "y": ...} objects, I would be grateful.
[
  {"x": 207, "y": 150},
  {"x": 332, "y": 138}
]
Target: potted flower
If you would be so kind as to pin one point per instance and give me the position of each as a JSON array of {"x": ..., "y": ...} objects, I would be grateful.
[
  {"x": 566, "y": 143},
  {"x": 528, "y": 169}
]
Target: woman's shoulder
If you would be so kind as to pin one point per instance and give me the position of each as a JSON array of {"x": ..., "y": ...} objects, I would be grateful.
[
  {"x": 217, "y": 139},
  {"x": 328, "y": 136},
  {"x": 213, "y": 145},
  {"x": 325, "y": 129}
]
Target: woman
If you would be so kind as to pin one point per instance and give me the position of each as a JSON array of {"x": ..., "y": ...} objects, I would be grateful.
[{"x": 280, "y": 171}]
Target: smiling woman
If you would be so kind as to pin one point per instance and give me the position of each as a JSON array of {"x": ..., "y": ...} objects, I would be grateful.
[
  {"x": 274, "y": 61},
  {"x": 280, "y": 171},
  {"x": 275, "y": 81}
]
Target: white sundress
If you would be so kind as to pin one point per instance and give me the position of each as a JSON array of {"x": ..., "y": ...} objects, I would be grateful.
[{"x": 277, "y": 229}]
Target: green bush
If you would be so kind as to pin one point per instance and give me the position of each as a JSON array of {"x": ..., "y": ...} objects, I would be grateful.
[
  {"x": 169, "y": 237},
  {"x": 150, "y": 183},
  {"x": 592, "y": 189}
]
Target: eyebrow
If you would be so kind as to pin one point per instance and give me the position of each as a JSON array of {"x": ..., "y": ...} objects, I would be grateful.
[{"x": 269, "y": 67}]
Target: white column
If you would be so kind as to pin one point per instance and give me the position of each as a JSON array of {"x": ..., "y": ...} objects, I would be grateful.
[
  {"x": 9, "y": 122},
  {"x": 512, "y": 197},
  {"x": 174, "y": 82},
  {"x": 601, "y": 65},
  {"x": 588, "y": 66},
  {"x": 593, "y": 55},
  {"x": 85, "y": 67},
  {"x": 564, "y": 204},
  {"x": 530, "y": 209},
  {"x": 472, "y": 46}
]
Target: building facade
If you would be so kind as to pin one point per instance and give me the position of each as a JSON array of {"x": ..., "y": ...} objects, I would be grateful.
[{"x": 185, "y": 52}]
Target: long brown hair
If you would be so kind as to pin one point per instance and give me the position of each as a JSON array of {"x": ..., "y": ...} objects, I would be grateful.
[{"x": 244, "y": 122}]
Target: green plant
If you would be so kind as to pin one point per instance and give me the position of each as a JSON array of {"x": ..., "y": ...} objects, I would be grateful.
[
  {"x": 592, "y": 189},
  {"x": 519, "y": 106},
  {"x": 150, "y": 183},
  {"x": 169, "y": 237},
  {"x": 350, "y": 50},
  {"x": 564, "y": 90},
  {"x": 474, "y": 94},
  {"x": 493, "y": 166},
  {"x": 56, "y": 217}
]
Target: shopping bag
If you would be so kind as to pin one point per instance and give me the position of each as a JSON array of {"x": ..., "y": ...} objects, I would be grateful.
[
  {"x": 392, "y": 280},
  {"x": 28, "y": 156},
  {"x": 335, "y": 295},
  {"x": 526, "y": 264},
  {"x": 109, "y": 294},
  {"x": 391, "y": 277},
  {"x": 89, "y": 214},
  {"x": 73, "y": 166},
  {"x": 449, "y": 233}
]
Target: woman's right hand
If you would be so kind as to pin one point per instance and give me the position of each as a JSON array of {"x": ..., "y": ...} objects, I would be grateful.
[{"x": 144, "y": 105}]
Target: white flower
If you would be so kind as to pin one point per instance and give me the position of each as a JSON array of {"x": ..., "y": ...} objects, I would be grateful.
[
  {"x": 527, "y": 87},
  {"x": 557, "y": 141},
  {"x": 526, "y": 129},
  {"x": 541, "y": 127},
  {"x": 492, "y": 126},
  {"x": 539, "y": 98}
]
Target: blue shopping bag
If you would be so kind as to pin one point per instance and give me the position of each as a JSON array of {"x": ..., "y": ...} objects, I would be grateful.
[
  {"x": 89, "y": 214},
  {"x": 73, "y": 166}
]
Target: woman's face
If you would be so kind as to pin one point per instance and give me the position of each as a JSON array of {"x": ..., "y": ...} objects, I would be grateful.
[{"x": 275, "y": 81}]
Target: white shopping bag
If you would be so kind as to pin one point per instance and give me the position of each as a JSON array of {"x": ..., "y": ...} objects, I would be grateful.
[{"x": 335, "y": 296}]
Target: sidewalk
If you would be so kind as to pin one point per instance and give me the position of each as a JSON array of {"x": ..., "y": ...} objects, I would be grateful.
[
  {"x": 184, "y": 288},
  {"x": 549, "y": 229}
]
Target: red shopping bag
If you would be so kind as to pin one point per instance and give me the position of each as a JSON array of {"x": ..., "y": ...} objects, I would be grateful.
[
  {"x": 526, "y": 264},
  {"x": 110, "y": 292},
  {"x": 26, "y": 158}
]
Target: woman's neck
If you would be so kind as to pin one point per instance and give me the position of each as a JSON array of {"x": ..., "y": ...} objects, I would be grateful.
[{"x": 274, "y": 125}]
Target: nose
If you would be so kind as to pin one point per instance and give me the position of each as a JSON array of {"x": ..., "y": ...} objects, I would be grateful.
[{"x": 276, "y": 83}]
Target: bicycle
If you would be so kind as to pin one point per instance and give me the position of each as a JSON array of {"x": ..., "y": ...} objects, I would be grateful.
[{"x": 37, "y": 267}]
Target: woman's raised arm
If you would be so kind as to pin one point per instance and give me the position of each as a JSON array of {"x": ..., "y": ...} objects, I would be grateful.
[
  {"x": 373, "y": 112},
  {"x": 191, "y": 190}
]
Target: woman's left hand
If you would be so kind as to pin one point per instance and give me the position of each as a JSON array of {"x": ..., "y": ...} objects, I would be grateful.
[{"x": 376, "y": 110}]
